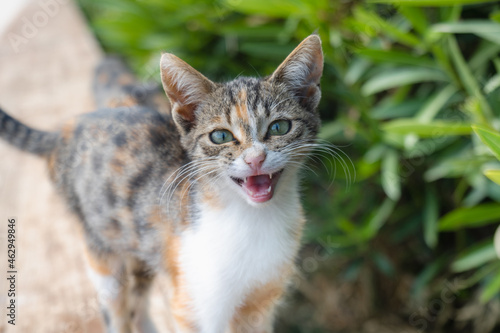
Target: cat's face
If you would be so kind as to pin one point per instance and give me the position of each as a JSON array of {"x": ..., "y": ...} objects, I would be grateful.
[{"x": 248, "y": 134}]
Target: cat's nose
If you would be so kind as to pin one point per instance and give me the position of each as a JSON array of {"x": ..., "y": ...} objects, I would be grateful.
[{"x": 255, "y": 159}]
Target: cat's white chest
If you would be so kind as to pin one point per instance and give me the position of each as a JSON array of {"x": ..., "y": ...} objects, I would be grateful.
[{"x": 231, "y": 250}]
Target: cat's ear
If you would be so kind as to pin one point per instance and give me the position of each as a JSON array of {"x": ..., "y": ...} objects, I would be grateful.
[
  {"x": 301, "y": 72},
  {"x": 185, "y": 87}
]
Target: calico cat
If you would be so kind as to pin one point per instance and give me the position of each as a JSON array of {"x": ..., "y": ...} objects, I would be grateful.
[{"x": 208, "y": 193}]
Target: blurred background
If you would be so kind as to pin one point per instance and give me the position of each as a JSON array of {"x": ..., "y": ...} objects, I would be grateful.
[{"x": 402, "y": 217}]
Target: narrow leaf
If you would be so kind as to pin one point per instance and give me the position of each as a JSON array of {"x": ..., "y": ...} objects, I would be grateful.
[
  {"x": 492, "y": 84},
  {"x": 390, "y": 176},
  {"x": 468, "y": 80},
  {"x": 474, "y": 256},
  {"x": 400, "y": 77},
  {"x": 378, "y": 219},
  {"x": 431, "y": 211},
  {"x": 484, "y": 28},
  {"x": 470, "y": 217},
  {"x": 491, "y": 288},
  {"x": 489, "y": 138},
  {"x": 494, "y": 175},
  {"x": 397, "y": 57},
  {"x": 429, "y": 3},
  {"x": 436, "y": 128},
  {"x": 435, "y": 104}
]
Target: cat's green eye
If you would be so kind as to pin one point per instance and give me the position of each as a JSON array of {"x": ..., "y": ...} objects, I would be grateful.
[
  {"x": 221, "y": 136},
  {"x": 279, "y": 127}
]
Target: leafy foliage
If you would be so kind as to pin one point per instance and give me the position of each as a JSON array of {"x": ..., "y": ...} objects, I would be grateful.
[{"x": 410, "y": 93}]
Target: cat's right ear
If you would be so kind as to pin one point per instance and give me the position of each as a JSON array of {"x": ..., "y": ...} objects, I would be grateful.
[{"x": 185, "y": 87}]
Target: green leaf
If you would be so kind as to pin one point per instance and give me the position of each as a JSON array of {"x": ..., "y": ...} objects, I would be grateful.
[
  {"x": 483, "y": 28},
  {"x": 373, "y": 21},
  {"x": 435, "y": 128},
  {"x": 435, "y": 104},
  {"x": 383, "y": 264},
  {"x": 489, "y": 138},
  {"x": 494, "y": 175},
  {"x": 474, "y": 256},
  {"x": 331, "y": 129},
  {"x": 495, "y": 16},
  {"x": 397, "y": 57},
  {"x": 378, "y": 219},
  {"x": 427, "y": 274},
  {"x": 431, "y": 212},
  {"x": 417, "y": 18},
  {"x": 391, "y": 182},
  {"x": 358, "y": 67},
  {"x": 485, "y": 52},
  {"x": 468, "y": 80},
  {"x": 491, "y": 288},
  {"x": 390, "y": 108},
  {"x": 273, "y": 8},
  {"x": 492, "y": 84},
  {"x": 470, "y": 217},
  {"x": 400, "y": 77},
  {"x": 455, "y": 167},
  {"x": 429, "y": 3}
]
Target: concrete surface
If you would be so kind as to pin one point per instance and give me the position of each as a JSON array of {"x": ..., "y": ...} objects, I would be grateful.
[{"x": 47, "y": 59}]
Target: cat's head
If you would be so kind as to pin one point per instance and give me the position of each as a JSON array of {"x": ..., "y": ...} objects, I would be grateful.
[{"x": 249, "y": 134}]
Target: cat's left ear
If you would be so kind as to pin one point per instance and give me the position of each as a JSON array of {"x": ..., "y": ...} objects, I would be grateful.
[
  {"x": 185, "y": 87},
  {"x": 301, "y": 72}
]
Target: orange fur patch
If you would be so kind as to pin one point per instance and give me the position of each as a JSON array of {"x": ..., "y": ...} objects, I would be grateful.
[
  {"x": 98, "y": 264},
  {"x": 179, "y": 299},
  {"x": 126, "y": 101},
  {"x": 103, "y": 77},
  {"x": 256, "y": 313},
  {"x": 241, "y": 107},
  {"x": 67, "y": 130},
  {"x": 119, "y": 161},
  {"x": 51, "y": 162},
  {"x": 209, "y": 198},
  {"x": 125, "y": 79}
]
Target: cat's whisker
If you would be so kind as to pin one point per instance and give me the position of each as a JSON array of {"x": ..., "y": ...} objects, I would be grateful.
[
  {"x": 326, "y": 149},
  {"x": 178, "y": 174},
  {"x": 200, "y": 167},
  {"x": 184, "y": 173},
  {"x": 181, "y": 169},
  {"x": 197, "y": 179}
]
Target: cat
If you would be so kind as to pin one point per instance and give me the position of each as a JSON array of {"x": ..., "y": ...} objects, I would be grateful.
[{"x": 207, "y": 193}]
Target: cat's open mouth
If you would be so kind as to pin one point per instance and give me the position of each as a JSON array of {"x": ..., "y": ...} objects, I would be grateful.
[{"x": 259, "y": 188}]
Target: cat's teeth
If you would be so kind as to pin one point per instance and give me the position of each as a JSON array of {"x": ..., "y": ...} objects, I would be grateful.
[
  {"x": 245, "y": 179},
  {"x": 269, "y": 189},
  {"x": 270, "y": 176}
]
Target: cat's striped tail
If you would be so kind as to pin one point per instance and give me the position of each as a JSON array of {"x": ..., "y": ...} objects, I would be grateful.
[{"x": 26, "y": 138}]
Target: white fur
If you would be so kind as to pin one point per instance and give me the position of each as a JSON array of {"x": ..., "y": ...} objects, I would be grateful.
[
  {"x": 107, "y": 286},
  {"x": 231, "y": 250}
]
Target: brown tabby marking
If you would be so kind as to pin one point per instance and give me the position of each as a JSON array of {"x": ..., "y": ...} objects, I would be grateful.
[{"x": 241, "y": 107}]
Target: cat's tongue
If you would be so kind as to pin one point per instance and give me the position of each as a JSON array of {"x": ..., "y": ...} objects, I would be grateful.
[{"x": 259, "y": 188}]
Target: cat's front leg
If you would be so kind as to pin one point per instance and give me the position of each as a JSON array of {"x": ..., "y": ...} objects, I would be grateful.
[
  {"x": 256, "y": 315},
  {"x": 108, "y": 274}
]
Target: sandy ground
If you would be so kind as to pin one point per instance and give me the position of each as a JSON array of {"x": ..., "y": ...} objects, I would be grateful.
[{"x": 46, "y": 64}]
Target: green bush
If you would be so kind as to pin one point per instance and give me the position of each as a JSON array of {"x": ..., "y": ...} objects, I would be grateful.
[{"x": 407, "y": 85}]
